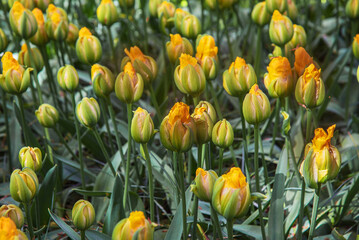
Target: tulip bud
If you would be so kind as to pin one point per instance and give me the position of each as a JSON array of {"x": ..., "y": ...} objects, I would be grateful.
[
  {"x": 14, "y": 79},
  {"x": 352, "y": 9},
  {"x": 40, "y": 38},
  {"x": 153, "y": 6},
  {"x": 302, "y": 61},
  {"x": 145, "y": 65},
  {"x": 14, "y": 213},
  {"x": 356, "y": 46},
  {"x": 165, "y": 12},
  {"x": 222, "y": 134},
  {"x": 134, "y": 227},
  {"x": 277, "y": 52},
  {"x": 47, "y": 115},
  {"x": 31, "y": 158},
  {"x": 190, "y": 26},
  {"x": 260, "y": 15},
  {"x": 29, "y": 4},
  {"x": 310, "y": 89},
  {"x": 88, "y": 47},
  {"x": 24, "y": 58},
  {"x": 8, "y": 230},
  {"x": 280, "y": 29},
  {"x": 3, "y": 41},
  {"x": 207, "y": 55},
  {"x": 203, "y": 184},
  {"x": 273, "y": 5},
  {"x": 88, "y": 112},
  {"x": 126, "y": 4},
  {"x": 43, "y": 4},
  {"x": 292, "y": 9},
  {"x": 177, "y": 129},
  {"x": 107, "y": 12},
  {"x": 239, "y": 78},
  {"x": 324, "y": 163},
  {"x": 83, "y": 215},
  {"x": 286, "y": 123},
  {"x": 178, "y": 17},
  {"x": 209, "y": 109},
  {"x": 142, "y": 128},
  {"x": 222, "y": 4},
  {"x": 57, "y": 24},
  {"x": 231, "y": 195},
  {"x": 103, "y": 80},
  {"x": 256, "y": 106},
  {"x": 177, "y": 46},
  {"x": 22, "y": 21},
  {"x": 23, "y": 185},
  {"x": 129, "y": 85},
  {"x": 73, "y": 34},
  {"x": 279, "y": 80},
  {"x": 203, "y": 125},
  {"x": 68, "y": 78},
  {"x": 299, "y": 39},
  {"x": 189, "y": 76}
]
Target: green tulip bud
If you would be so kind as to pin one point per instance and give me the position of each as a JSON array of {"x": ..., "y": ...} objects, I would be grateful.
[
  {"x": 292, "y": 9},
  {"x": 260, "y": 15},
  {"x": 142, "y": 128},
  {"x": 203, "y": 125},
  {"x": 23, "y": 185},
  {"x": 83, "y": 214},
  {"x": 47, "y": 115},
  {"x": 43, "y": 4},
  {"x": 209, "y": 109},
  {"x": 22, "y": 21},
  {"x": 165, "y": 14},
  {"x": 107, "y": 12},
  {"x": 153, "y": 6},
  {"x": 273, "y": 5},
  {"x": 203, "y": 184},
  {"x": 103, "y": 80},
  {"x": 68, "y": 78},
  {"x": 88, "y": 47},
  {"x": 352, "y": 9},
  {"x": 31, "y": 158},
  {"x": 24, "y": 58},
  {"x": 88, "y": 112},
  {"x": 3, "y": 41},
  {"x": 14, "y": 213},
  {"x": 73, "y": 34},
  {"x": 57, "y": 24},
  {"x": 222, "y": 134},
  {"x": 280, "y": 29},
  {"x": 355, "y": 46},
  {"x": 178, "y": 17},
  {"x": 190, "y": 26},
  {"x": 222, "y": 4}
]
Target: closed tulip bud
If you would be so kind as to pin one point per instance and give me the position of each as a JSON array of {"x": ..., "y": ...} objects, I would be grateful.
[
  {"x": 177, "y": 129},
  {"x": 280, "y": 29},
  {"x": 299, "y": 38},
  {"x": 324, "y": 163},
  {"x": 47, "y": 115},
  {"x": 43, "y": 4},
  {"x": 83, "y": 215},
  {"x": 31, "y": 158},
  {"x": 166, "y": 12},
  {"x": 189, "y": 76},
  {"x": 222, "y": 4},
  {"x": 239, "y": 78},
  {"x": 203, "y": 184},
  {"x": 134, "y": 227},
  {"x": 29, "y": 4},
  {"x": 352, "y": 9},
  {"x": 14, "y": 213},
  {"x": 302, "y": 61},
  {"x": 57, "y": 24},
  {"x": 24, "y": 58},
  {"x": 190, "y": 26},
  {"x": 256, "y": 106},
  {"x": 88, "y": 112},
  {"x": 279, "y": 80},
  {"x": 292, "y": 9},
  {"x": 129, "y": 85},
  {"x": 310, "y": 89},
  {"x": 3, "y": 41},
  {"x": 68, "y": 78},
  {"x": 279, "y": 5},
  {"x": 40, "y": 38},
  {"x": 142, "y": 128},
  {"x": 277, "y": 52},
  {"x": 14, "y": 79},
  {"x": 88, "y": 47},
  {"x": 222, "y": 134},
  {"x": 153, "y": 6},
  {"x": 22, "y": 21},
  {"x": 178, "y": 17},
  {"x": 231, "y": 195},
  {"x": 103, "y": 80},
  {"x": 73, "y": 34},
  {"x": 8, "y": 230},
  {"x": 260, "y": 15},
  {"x": 177, "y": 46},
  {"x": 209, "y": 109},
  {"x": 126, "y": 3},
  {"x": 356, "y": 46},
  {"x": 145, "y": 65},
  {"x": 107, "y": 12},
  {"x": 23, "y": 185},
  {"x": 203, "y": 125},
  {"x": 207, "y": 55}
]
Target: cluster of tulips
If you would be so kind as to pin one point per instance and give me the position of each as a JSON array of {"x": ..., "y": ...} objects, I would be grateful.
[{"x": 194, "y": 58}]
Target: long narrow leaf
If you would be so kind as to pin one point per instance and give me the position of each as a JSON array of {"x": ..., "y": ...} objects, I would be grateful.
[{"x": 66, "y": 228}]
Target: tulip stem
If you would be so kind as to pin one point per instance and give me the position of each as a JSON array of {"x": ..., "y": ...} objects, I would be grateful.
[
  {"x": 195, "y": 216},
  {"x": 105, "y": 118},
  {"x": 78, "y": 135},
  {"x": 228, "y": 38},
  {"x": 117, "y": 135},
  {"x": 64, "y": 142},
  {"x": 23, "y": 123},
  {"x": 314, "y": 212},
  {"x": 230, "y": 229},
  {"x": 217, "y": 226},
  {"x": 183, "y": 194},
  {"x": 143, "y": 14},
  {"x": 150, "y": 180},
  {"x": 276, "y": 121},
  {"x": 309, "y": 125},
  {"x": 128, "y": 162},
  {"x": 215, "y": 99},
  {"x": 257, "y": 61},
  {"x": 256, "y": 163},
  {"x": 8, "y": 142},
  {"x": 110, "y": 39},
  {"x": 83, "y": 236},
  {"x": 29, "y": 220},
  {"x": 244, "y": 141},
  {"x": 104, "y": 151},
  {"x": 221, "y": 150},
  {"x": 301, "y": 211},
  {"x": 155, "y": 103}
]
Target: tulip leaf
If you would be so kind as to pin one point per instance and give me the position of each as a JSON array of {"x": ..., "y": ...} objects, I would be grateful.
[
  {"x": 73, "y": 164},
  {"x": 66, "y": 228},
  {"x": 93, "y": 193},
  {"x": 347, "y": 199},
  {"x": 249, "y": 230},
  {"x": 94, "y": 235}
]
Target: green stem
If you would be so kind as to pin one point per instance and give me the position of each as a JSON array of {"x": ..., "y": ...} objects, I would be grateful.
[
  {"x": 215, "y": 99},
  {"x": 128, "y": 162},
  {"x": 244, "y": 137},
  {"x": 257, "y": 61},
  {"x": 183, "y": 194},
  {"x": 143, "y": 14},
  {"x": 78, "y": 135},
  {"x": 195, "y": 216},
  {"x": 83, "y": 236},
  {"x": 301, "y": 211},
  {"x": 314, "y": 213},
  {"x": 104, "y": 151},
  {"x": 150, "y": 181},
  {"x": 195, "y": 101},
  {"x": 155, "y": 103},
  {"x": 308, "y": 132},
  {"x": 202, "y": 15},
  {"x": 68, "y": 54},
  {"x": 110, "y": 39},
  {"x": 64, "y": 142},
  {"x": 62, "y": 53},
  {"x": 117, "y": 135},
  {"x": 276, "y": 122},
  {"x": 175, "y": 164},
  {"x": 256, "y": 163},
  {"x": 23, "y": 123},
  {"x": 214, "y": 217},
  {"x": 37, "y": 217},
  {"x": 13, "y": 36},
  {"x": 221, "y": 150},
  {"x": 228, "y": 38},
  {"x": 29, "y": 220},
  {"x": 105, "y": 118},
  {"x": 230, "y": 229},
  {"x": 8, "y": 140}
]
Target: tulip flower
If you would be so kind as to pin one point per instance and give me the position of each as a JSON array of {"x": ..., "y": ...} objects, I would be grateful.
[
  {"x": 352, "y": 9},
  {"x": 356, "y": 46},
  {"x": 142, "y": 127},
  {"x": 73, "y": 34},
  {"x": 8, "y": 230},
  {"x": 256, "y": 106},
  {"x": 190, "y": 26},
  {"x": 292, "y": 9},
  {"x": 23, "y": 185},
  {"x": 153, "y": 6},
  {"x": 88, "y": 112},
  {"x": 222, "y": 134},
  {"x": 57, "y": 24},
  {"x": 206, "y": 56},
  {"x": 107, "y": 12},
  {"x": 260, "y": 15},
  {"x": 31, "y": 158},
  {"x": 14, "y": 213},
  {"x": 178, "y": 17},
  {"x": 22, "y": 21},
  {"x": 29, "y": 4},
  {"x": 280, "y": 29},
  {"x": 68, "y": 78},
  {"x": 209, "y": 109},
  {"x": 3, "y": 41},
  {"x": 88, "y": 47},
  {"x": 203, "y": 124},
  {"x": 299, "y": 39},
  {"x": 24, "y": 58},
  {"x": 47, "y": 115},
  {"x": 203, "y": 184},
  {"x": 40, "y": 38},
  {"x": 165, "y": 13},
  {"x": 103, "y": 80},
  {"x": 302, "y": 61},
  {"x": 177, "y": 46},
  {"x": 83, "y": 214}
]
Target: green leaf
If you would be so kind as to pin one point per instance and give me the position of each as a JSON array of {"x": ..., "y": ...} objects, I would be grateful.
[
  {"x": 93, "y": 193},
  {"x": 66, "y": 228},
  {"x": 73, "y": 164},
  {"x": 348, "y": 197},
  {"x": 249, "y": 230},
  {"x": 95, "y": 235}
]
